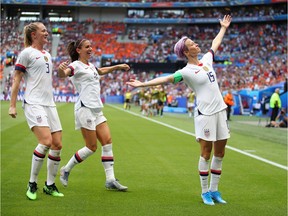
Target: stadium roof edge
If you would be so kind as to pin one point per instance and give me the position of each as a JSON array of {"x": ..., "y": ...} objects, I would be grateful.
[{"x": 138, "y": 4}]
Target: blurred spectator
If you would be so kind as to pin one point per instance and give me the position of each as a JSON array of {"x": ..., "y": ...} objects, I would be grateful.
[
  {"x": 228, "y": 99},
  {"x": 281, "y": 119},
  {"x": 285, "y": 85},
  {"x": 128, "y": 97},
  {"x": 275, "y": 105},
  {"x": 190, "y": 103}
]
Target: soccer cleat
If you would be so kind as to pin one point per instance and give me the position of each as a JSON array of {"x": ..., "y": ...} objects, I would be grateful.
[
  {"x": 115, "y": 185},
  {"x": 31, "y": 192},
  {"x": 207, "y": 199},
  {"x": 215, "y": 195},
  {"x": 52, "y": 190},
  {"x": 64, "y": 176}
]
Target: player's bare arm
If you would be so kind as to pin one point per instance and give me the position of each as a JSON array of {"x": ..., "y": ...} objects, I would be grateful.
[
  {"x": 225, "y": 22},
  {"x": 14, "y": 92},
  {"x": 106, "y": 70},
  {"x": 154, "y": 82}
]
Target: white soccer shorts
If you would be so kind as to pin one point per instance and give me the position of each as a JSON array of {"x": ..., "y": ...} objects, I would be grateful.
[
  {"x": 211, "y": 128},
  {"x": 88, "y": 118},
  {"x": 44, "y": 116}
]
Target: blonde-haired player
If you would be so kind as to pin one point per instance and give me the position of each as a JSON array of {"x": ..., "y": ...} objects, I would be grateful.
[{"x": 35, "y": 65}]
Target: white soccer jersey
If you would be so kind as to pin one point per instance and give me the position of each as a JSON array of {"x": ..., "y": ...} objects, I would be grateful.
[
  {"x": 37, "y": 68},
  {"x": 87, "y": 83},
  {"x": 202, "y": 79}
]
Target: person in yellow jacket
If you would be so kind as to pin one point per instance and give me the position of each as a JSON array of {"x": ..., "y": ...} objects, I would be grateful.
[
  {"x": 275, "y": 104},
  {"x": 228, "y": 99}
]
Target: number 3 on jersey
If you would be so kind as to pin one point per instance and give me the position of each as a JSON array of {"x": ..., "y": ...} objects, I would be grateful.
[
  {"x": 211, "y": 77},
  {"x": 47, "y": 68}
]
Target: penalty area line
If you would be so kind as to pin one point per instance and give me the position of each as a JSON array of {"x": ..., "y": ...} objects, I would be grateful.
[{"x": 192, "y": 134}]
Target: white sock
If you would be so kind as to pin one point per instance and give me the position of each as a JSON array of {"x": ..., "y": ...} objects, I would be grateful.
[
  {"x": 108, "y": 162},
  {"x": 78, "y": 157},
  {"x": 216, "y": 170},
  {"x": 53, "y": 165},
  {"x": 37, "y": 161},
  {"x": 203, "y": 167}
]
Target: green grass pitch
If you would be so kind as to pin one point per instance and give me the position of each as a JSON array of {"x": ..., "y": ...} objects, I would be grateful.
[{"x": 157, "y": 160}]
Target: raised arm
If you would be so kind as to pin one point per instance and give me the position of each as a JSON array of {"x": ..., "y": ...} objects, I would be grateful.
[
  {"x": 106, "y": 70},
  {"x": 218, "y": 39},
  {"x": 153, "y": 82},
  {"x": 14, "y": 92}
]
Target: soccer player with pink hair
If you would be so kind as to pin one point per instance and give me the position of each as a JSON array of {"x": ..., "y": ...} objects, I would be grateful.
[{"x": 211, "y": 126}]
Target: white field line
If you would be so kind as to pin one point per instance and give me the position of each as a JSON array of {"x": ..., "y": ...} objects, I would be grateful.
[{"x": 192, "y": 134}]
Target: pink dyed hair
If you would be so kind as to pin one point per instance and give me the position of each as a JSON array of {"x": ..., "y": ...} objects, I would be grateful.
[{"x": 180, "y": 46}]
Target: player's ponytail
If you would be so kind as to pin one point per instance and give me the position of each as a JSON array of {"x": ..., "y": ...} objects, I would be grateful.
[{"x": 71, "y": 49}]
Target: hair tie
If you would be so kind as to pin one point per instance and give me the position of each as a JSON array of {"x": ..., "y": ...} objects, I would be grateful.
[{"x": 80, "y": 43}]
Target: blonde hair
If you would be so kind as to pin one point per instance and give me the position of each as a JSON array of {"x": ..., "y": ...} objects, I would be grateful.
[{"x": 28, "y": 29}]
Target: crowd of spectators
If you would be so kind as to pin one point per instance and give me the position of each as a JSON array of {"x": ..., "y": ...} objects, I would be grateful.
[
  {"x": 255, "y": 53},
  {"x": 251, "y": 11},
  {"x": 158, "y": 1}
]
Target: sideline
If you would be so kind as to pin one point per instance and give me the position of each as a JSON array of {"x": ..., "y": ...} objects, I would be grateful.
[{"x": 192, "y": 134}]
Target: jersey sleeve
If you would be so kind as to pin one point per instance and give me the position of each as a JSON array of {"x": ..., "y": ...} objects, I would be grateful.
[
  {"x": 212, "y": 52},
  {"x": 208, "y": 57},
  {"x": 22, "y": 61},
  {"x": 177, "y": 77},
  {"x": 72, "y": 67}
]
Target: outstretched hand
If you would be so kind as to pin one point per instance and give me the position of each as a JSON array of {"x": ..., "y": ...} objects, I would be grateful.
[
  {"x": 61, "y": 69},
  {"x": 135, "y": 83},
  {"x": 124, "y": 67},
  {"x": 64, "y": 65},
  {"x": 225, "y": 22}
]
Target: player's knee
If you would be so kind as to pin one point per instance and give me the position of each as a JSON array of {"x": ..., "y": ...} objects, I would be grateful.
[
  {"x": 219, "y": 154},
  {"x": 206, "y": 156},
  {"x": 56, "y": 145},
  {"x": 47, "y": 141},
  {"x": 92, "y": 147},
  {"x": 107, "y": 141}
]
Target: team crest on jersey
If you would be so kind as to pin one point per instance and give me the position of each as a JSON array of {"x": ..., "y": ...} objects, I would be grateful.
[
  {"x": 46, "y": 58},
  {"x": 206, "y": 68},
  {"x": 39, "y": 119},
  {"x": 207, "y": 132}
]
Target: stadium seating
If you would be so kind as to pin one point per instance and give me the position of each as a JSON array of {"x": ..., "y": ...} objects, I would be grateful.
[{"x": 252, "y": 56}]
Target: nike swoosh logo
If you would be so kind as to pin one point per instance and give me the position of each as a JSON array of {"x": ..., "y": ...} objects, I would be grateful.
[
  {"x": 38, "y": 57},
  {"x": 86, "y": 68},
  {"x": 197, "y": 71}
]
